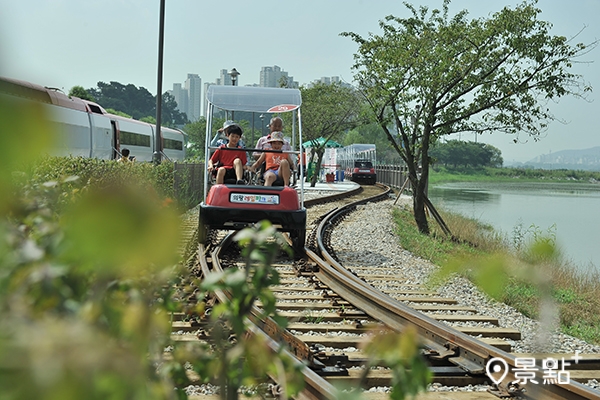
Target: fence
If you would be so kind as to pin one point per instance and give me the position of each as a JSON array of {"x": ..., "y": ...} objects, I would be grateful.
[
  {"x": 188, "y": 183},
  {"x": 392, "y": 175}
]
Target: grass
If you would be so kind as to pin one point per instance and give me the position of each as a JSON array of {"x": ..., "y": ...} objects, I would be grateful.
[
  {"x": 488, "y": 174},
  {"x": 521, "y": 276}
]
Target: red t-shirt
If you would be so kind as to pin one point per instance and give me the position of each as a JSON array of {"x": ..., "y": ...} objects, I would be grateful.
[{"x": 225, "y": 157}]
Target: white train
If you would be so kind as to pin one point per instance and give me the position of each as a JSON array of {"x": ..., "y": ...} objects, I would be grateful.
[{"x": 85, "y": 128}]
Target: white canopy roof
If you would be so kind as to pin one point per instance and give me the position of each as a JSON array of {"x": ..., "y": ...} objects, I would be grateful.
[{"x": 254, "y": 99}]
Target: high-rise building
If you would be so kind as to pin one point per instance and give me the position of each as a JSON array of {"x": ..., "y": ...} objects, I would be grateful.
[
  {"x": 181, "y": 97},
  {"x": 189, "y": 97},
  {"x": 276, "y": 77},
  {"x": 225, "y": 78},
  {"x": 326, "y": 80},
  {"x": 193, "y": 85}
]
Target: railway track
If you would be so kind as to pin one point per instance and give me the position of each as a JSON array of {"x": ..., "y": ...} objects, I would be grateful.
[{"x": 330, "y": 311}]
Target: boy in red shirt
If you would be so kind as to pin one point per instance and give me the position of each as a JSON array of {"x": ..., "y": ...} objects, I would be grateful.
[
  {"x": 229, "y": 163},
  {"x": 278, "y": 164}
]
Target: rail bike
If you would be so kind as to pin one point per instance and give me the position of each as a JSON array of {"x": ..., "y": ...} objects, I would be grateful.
[{"x": 233, "y": 206}]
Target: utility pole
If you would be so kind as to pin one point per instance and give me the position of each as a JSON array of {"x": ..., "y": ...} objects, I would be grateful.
[{"x": 156, "y": 156}]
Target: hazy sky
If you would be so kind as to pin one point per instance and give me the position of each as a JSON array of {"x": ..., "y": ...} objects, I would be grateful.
[{"x": 63, "y": 43}]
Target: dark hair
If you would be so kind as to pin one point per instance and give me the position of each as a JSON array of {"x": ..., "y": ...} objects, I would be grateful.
[
  {"x": 235, "y": 128},
  {"x": 125, "y": 152}
]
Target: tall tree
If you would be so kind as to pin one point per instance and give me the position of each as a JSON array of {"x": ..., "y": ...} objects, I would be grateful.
[
  {"x": 459, "y": 153},
  {"x": 327, "y": 111},
  {"x": 126, "y": 98},
  {"x": 138, "y": 103},
  {"x": 196, "y": 133},
  {"x": 431, "y": 75},
  {"x": 171, "y": 116},
  {"x": 79, "y": 91}
]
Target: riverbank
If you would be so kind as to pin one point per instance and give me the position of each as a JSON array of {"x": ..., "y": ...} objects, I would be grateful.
[
  {"x": 397, "y": 245},
  {"x": 443, "y": 175},
  {"x": 527, "y": 273}
]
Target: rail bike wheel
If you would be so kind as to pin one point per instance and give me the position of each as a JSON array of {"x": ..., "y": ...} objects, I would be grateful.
[
  {"x": 298, "y": 237},
  {"x": 203, "y": 233}
]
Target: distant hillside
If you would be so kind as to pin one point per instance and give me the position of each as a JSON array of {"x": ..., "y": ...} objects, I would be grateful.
[{"x": 587, "y": 160}]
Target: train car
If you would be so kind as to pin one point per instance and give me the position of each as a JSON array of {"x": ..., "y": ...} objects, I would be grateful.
[
  {"x": 358, "y": 162},
  {"x": 230, "y": 206},
  {"x": 85, "y": 129}
]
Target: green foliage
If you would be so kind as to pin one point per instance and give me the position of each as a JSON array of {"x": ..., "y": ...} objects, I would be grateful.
[
  {"x": 78, "y": 301},
  {"x": 126, "y": 98},
  {"x": 327, "y": 111},
  {"x": 117, "y": 112},
  {"x": 525, "y": 295},
  {"x": 102, "y": 173},
  {"x": 79, "y": 91},
  {"x": 456, "y": 152},
  {"x": 431, "y": 74},
  {"x": 79, "y": 283},
  {"x": 88, "y": 273},
  {"x": 17, "y": 119},
  {"x": 443, "y": 175},
  {"x": 525, "y": 271},
  {"x": 170, "y": 114},
  {"x": 149, "y": 120},
  {"x": 436, "y": 248},
  {"x": 136, "y": 102},
  {"x": 248, "y": 359},
  {"x": 400, "y": 352}
]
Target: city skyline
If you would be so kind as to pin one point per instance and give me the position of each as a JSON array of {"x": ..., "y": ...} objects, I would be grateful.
[
  {"x": 187, "y": 96},
  {"x": 68, "y": 43}
]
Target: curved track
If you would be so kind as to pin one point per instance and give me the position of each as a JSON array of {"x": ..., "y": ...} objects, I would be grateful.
[{"x": 320, "y": 295}]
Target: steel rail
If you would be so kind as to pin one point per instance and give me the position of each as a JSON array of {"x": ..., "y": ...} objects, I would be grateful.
[
  {"x": 333, "y": 197},
  {"x": 441, "y": 341},
  {"x": 317, "y": 388}
]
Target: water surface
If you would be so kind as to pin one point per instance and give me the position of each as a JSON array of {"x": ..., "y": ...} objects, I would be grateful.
[{"x": 571, "y": 210}]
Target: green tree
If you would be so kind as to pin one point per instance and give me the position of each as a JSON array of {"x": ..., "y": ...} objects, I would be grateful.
[
  {"x": 460, "y": 153},
  {"x": 79, "y": 91},
  {"x": 431, "y": 75},
  {"x": 126, "y": 98},
  {"x": 327, "y": 111},
  {"x": 120, "y": 113},
  {"x": 196, "y": 133},
  {"x": 137, "y": 103},
  {"x": 170, "y": 115}
]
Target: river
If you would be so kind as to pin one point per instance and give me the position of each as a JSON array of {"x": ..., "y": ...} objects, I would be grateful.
[{"x": 570, "y": 210}]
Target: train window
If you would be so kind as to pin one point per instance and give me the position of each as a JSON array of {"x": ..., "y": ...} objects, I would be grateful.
[
  {"x": 134, "y": 139},
  {"x": 95, "y": 109},
  {"x": 173, "y": 144}
]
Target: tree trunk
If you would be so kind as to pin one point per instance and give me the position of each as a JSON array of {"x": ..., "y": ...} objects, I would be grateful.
[
  {"x": 419, "y": 212},
  {"x": 313, "y": 180},
  {"x": 419, "y": 202}
]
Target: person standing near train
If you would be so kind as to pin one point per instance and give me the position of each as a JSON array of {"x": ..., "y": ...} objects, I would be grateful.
[{"x": 125, "y": 158}]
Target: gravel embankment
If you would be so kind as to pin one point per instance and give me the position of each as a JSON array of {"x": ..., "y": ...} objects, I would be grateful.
[{"x": 367, "y": 239}]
